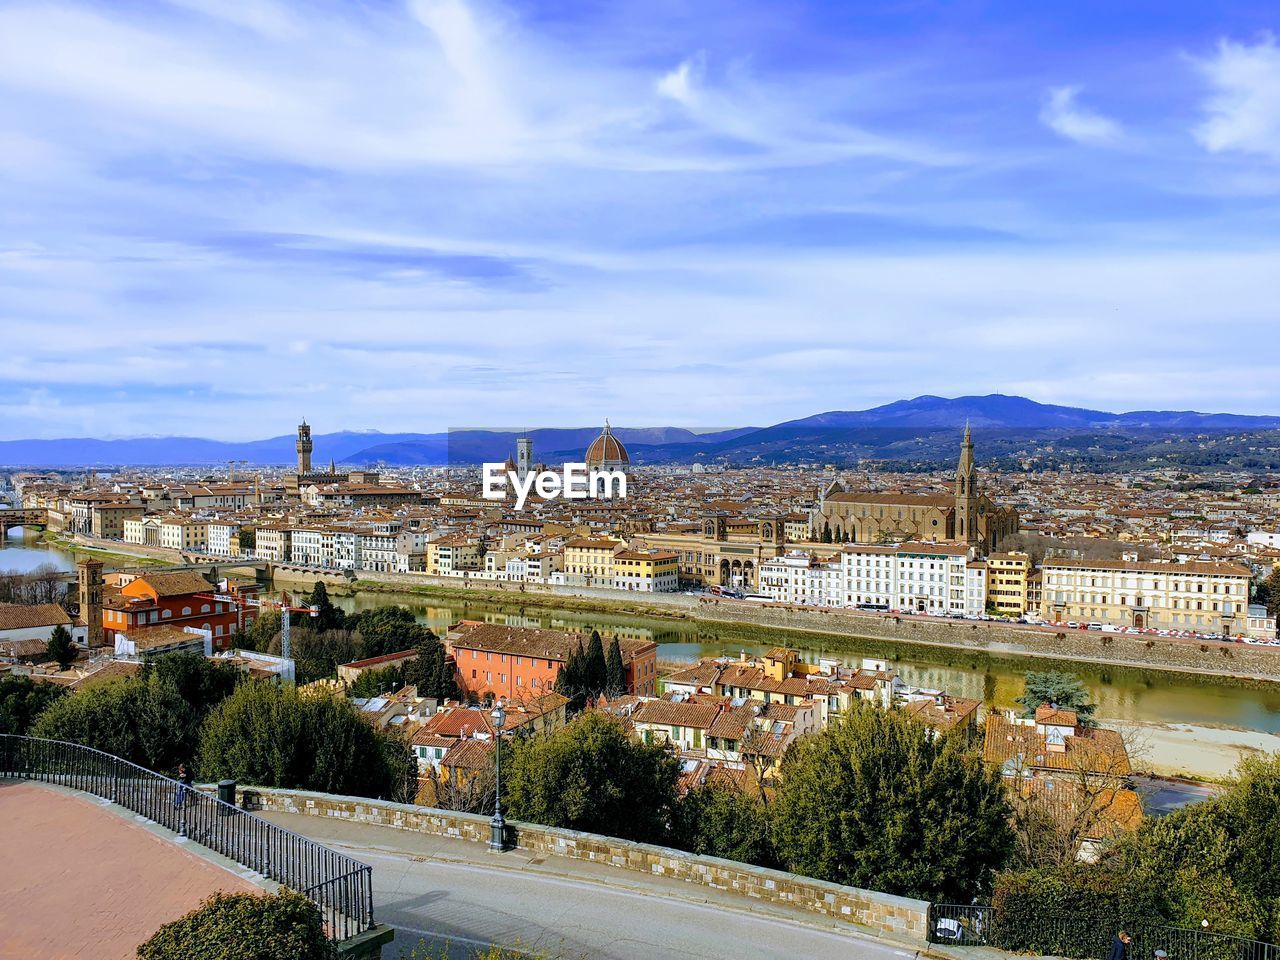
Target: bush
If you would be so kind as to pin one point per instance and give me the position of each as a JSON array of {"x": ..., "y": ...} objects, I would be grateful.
[{"x": 286, "y": 926}]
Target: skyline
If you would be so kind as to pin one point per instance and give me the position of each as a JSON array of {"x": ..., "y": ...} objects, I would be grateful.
[{"x": 406, "y": 216}]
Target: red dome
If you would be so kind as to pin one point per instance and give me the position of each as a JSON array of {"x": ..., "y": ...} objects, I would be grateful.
[{"x": 607, "y": 450}]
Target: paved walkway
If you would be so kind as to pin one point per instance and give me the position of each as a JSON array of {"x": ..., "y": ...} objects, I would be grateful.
[
  {"x": 444, "y": 890},
  {"x": 78, "y": 879}
]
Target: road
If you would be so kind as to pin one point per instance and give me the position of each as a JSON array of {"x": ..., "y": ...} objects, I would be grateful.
[{"x": 441, "y": 890}]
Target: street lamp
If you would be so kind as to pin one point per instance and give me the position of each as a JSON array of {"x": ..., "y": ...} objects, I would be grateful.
[{"x": 498, "y": 826}]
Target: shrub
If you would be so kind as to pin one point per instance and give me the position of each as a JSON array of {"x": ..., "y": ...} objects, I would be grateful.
[{"x": 286, "y": 926}]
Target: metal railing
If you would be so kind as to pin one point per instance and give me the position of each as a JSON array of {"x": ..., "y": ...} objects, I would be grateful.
[
  {"x": 1086, "y": 938},
  {"x": 341, "y": 887}
]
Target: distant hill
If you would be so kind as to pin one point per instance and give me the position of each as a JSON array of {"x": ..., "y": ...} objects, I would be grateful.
[{"x": 906, "y": 432}]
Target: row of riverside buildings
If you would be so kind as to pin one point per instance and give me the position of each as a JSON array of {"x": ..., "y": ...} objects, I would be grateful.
[{"x": 1204, "y": 597}]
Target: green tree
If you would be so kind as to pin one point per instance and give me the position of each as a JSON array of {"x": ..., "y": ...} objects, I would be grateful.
[
  {"x": 270, "y": 735},
  {"x": 826, "y": 532},
  {"x": 571, "y": 681},
  {"x": 248, "y": 539},
  {"x": 371, "y": 683},
  {"x": 615, "y": 671},
  {"x": 23, "y": 699},
  {"x": 597, "y": 668},
  {"x": 877, "y": 801},
  {"x": 327, "y": 616},
  {"x": 152, "y": 719},
  {"x": 589, "y": 775},
  {"x": 1267, "y": 593},
  {"x": 283, "y": 926},
  {"x": 386, "y": 630},
  {"x": 431, "y": 672},
  {"x": 317, "y": 654},
  {"x": 61, "y": 648},
  {"x": 721, "y": 821},
  {"x": 1064, "y": 690}
]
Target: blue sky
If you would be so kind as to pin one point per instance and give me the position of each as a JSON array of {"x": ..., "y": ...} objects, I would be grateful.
[{"x": 216, "y": 217}]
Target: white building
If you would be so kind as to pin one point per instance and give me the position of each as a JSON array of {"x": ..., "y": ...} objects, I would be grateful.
[
  {"x": 799, "y": 578},
  {"x": 922, "y": 577}
]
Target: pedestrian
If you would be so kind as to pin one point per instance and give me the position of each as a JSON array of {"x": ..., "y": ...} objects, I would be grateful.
[
  {"x": 1161, "y": 955},
  {"x": 185, "y": 779},
  {"x": 1120, "y": 946}
]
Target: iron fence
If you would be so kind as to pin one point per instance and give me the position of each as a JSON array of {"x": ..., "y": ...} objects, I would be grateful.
[
  {"x": 341, "y": 887},
  {"x": 1085, "y": 938}
]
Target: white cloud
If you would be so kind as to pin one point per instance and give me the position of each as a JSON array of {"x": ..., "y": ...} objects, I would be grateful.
[
  {"x": 679, "y": 84},
  {"x": 1243, "y": 109},
  {"x": 1064, "y": 115}
]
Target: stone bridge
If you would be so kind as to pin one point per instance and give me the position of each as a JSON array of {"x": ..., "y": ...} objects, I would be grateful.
[{"x": 22, "y": 518}]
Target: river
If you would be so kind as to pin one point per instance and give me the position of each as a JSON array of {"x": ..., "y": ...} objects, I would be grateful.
[{"x": 1196, "y": 724}]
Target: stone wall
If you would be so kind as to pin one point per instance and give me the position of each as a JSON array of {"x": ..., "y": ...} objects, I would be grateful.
[{"x": 885, "y": 914}]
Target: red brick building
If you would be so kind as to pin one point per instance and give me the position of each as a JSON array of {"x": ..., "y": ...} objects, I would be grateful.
[
  {"x": 181, "y": 599},
  {"x": 520, "y": 663}
]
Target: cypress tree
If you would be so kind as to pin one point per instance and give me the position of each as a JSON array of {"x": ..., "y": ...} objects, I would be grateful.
[
  {"x": 596, "y": 679},
  {"x": 616, "y": 684}
]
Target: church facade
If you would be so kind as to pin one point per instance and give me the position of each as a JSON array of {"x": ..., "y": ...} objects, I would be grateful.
[{"x": 967, "y": 515}]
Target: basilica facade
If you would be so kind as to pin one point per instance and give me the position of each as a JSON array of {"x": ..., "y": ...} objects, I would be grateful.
[{"x": 967, "y": 515}]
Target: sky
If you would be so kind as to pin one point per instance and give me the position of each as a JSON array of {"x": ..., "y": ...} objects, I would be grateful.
[{"x": 217, "y": 217}]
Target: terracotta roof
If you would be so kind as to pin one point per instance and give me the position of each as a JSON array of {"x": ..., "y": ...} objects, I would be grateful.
[
  {"x": 697, "y": 715},
  {"x": 950, "y": 713},
  {"x": 531, "y": 642},
  {"x": 20, "y": 616},
  {"x": 176, "y": 584},
  {"x": 896, "y": 499},
  {"x": 469, "y": 755},
  {"x": 1093, "y": 749},
  {"x": 1190, "y": 566}
]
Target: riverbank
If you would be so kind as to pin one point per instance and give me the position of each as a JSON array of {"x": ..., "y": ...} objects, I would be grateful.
[{"x": 834, "y": 627}]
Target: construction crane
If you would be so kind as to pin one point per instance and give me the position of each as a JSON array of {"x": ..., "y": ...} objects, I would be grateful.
[{"x": 283, "y": 605}]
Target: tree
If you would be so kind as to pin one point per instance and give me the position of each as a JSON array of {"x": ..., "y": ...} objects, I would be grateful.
[
  {"x": 615, "y": 671},
  {"x": 60, "y": 647},
  {"x": 571, "y": 681},
  {"x": 327, "y": 616},
  {"x": 431, "y": 672},
  {"x": 876, "y": 801},
  {"x": 371, "y": 683},
  {"x": 270, "y": 735},
  {"x": 283, "y": 926},
  {"x": 248, "y": 539},
  {"x": 826, "y": 532},
  {"x": 597, "y": 669},
  {"x": 589, "y": 775},
  {"x": 1267, "y": 593},
  {"x": 152, "y": 719},
  {"x": 317, "y": 654},
  {"x": 721, "y": 821},
  {"x": 1063, "y": 690},
  {"x": 386, "y": 630},
  {"x": 23, "y": 699}
]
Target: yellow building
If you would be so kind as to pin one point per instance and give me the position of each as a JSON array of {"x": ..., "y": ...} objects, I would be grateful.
[
  {"x": 1007, "y": 575},
  {"x": 589, "y": 560},
  {"x": 727, "y": 551},
  {"x": 646, "y": 571},
  {"x": 1199, "y": 596}
]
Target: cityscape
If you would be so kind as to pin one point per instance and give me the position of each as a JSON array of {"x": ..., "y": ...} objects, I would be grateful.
[{"x": 532, "y": 481}]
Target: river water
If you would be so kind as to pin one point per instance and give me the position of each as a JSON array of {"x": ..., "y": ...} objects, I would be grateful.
[{"x": 1201, "y": 723}]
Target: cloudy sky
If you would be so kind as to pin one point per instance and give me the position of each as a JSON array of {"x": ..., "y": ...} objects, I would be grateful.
[{"x": 219, "y": 216}]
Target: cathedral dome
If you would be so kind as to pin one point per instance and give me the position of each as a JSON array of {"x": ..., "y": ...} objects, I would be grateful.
[{"x": 607, "y": 451}]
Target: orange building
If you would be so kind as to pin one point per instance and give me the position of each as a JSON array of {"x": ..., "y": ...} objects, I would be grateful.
[
  {"x": 182, "y": 599},
  {"x": 521, "y": 663}
]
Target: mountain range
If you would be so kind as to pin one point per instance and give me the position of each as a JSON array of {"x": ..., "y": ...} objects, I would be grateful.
[{"x": 910, "y": 431}]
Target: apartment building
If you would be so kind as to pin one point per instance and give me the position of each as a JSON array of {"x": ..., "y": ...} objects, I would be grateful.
[
  {"x": 1007, "y": 587},
  {"x": 1202, "y": 596},
  {"x": 800, "y": 578},
  {"x": 646, "y": 571},
  {"x": 589, "y": 560}
]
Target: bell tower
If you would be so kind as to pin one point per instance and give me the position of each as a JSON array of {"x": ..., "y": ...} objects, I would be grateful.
[
  {"x": 304, "y": 447},
  {"x": 89, "y": 572},
  {"x": 967, "y": 493}
]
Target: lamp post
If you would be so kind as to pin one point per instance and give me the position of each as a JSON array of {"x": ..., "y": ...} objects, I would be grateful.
[{"x": 498, "y": 826}]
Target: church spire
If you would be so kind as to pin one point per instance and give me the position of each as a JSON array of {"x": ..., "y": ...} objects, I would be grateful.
[{"x": 966, "y": 515}]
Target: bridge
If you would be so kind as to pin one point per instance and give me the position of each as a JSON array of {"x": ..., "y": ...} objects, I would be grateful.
[{"x": 22, "y": 518}]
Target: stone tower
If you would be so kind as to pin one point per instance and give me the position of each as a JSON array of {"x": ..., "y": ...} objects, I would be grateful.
[
  {"x": 90, "y": 578},
  {"x": 967, "y": 527},
  {"x": 304, "y": 448},
  {"x": 524, "y": 456}
]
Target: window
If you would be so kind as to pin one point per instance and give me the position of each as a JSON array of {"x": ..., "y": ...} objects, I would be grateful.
[{"x": 186, "y": 611}]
